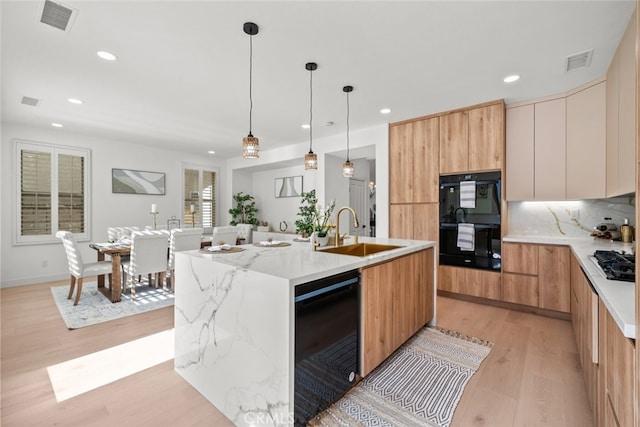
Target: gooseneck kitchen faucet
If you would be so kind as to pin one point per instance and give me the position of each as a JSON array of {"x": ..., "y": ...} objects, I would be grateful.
[{"x": 356, "y": 224}]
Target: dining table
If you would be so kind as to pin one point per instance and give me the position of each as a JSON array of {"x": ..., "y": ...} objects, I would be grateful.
[{"x": 115, "y": 251}]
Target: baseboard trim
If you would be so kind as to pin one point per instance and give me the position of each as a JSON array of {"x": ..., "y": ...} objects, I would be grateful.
[
  {"x": 507, "y": 305},
  {"x": 33, "y": 280}
]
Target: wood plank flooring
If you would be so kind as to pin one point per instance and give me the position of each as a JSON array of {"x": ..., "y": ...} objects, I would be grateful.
[{"x": 531, "y": 377}]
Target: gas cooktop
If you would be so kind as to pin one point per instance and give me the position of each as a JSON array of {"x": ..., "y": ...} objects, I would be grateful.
[{"x": 617, "y": 265}]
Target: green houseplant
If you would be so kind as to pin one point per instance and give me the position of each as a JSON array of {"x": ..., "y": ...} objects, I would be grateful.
[
  {"x": 245, "y": 210},
  {"x": 307, "y": 213}
]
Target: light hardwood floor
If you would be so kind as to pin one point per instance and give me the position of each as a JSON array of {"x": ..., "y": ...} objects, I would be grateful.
[{"x": 532, "y": 376}]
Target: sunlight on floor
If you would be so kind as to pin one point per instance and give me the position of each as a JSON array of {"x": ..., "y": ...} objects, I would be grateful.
[{"x": 77, "y": 376}]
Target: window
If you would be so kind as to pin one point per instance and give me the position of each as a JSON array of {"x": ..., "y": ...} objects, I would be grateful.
[
  {"x": 199, "y": 198},
  {"x": 52, "y": 192}
]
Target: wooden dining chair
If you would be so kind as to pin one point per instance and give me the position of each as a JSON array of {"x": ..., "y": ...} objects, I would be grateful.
[
  {"x": 78, "y": 269},
  {"x": 182, "y": 239},
  {"x": 148, "y": 257}
]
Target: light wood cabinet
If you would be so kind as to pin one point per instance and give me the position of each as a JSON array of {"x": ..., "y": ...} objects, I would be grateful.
[
  {"x": 469, "y": 281},
  {"x": 486, "y": 137},
  {"x": 397, "y": 299},
  {"x": 413, "y": 162},
  {"x": 619, "y": 372},
  {"x": 454, "y": 142},
  {"x": 536, "y": 159},
  {"x": 621, "y": 110},
  {"x": 536, "y": 275},
  {"x": 586, "y": 143},
  {"x": 417, "y": 221},
  {"x": 472, "y": 140}
]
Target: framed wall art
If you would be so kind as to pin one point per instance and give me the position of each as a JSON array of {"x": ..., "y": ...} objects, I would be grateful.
[
  {"x": 290, "y": 186},
  {"x": 137, "y": 182}
]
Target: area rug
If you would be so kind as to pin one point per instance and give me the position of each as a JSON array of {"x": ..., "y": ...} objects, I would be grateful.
[
  {"x": 418, "y": 385},
  {"x": 95, "y": 308}
]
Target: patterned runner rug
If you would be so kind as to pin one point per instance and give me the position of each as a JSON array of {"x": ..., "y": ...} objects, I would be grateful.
[
  {"x": 419, "y": 385},
  {"x": 94, "y": 307}
]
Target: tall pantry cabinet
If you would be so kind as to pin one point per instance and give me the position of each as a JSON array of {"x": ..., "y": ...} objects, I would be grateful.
[{"x": 413, "y": 179}]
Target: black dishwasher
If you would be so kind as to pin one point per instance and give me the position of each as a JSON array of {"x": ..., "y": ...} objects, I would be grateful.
[{"x": 326, "y": 342}]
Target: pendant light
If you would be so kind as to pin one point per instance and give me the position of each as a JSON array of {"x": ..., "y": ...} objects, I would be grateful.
[
  {"x": 311, "y": 158},
  {"x": 347, "y": 167},
  {"x": 250, "y": 144}
]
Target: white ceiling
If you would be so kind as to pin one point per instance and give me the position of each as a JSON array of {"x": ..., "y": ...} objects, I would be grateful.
[{"x": 182, "y": 74}]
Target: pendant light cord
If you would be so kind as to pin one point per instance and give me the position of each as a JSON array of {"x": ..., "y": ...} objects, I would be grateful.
[
  {"x": 347, "y": 126},
  {"x": 250, "y": 80},
  {"x": 310, "y": 109}
]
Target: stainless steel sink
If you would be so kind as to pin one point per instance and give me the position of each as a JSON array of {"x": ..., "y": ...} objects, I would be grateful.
[{"x": 360, "y": 249}]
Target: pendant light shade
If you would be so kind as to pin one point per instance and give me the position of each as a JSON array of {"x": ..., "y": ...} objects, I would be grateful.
[
  {"x": 250, "y": 144},
  {"x": 347, "y": 167},
  {"x": 311, "y": 158}
]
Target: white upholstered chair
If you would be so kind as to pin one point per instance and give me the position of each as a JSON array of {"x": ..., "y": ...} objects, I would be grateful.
[
  {"x": 225, "y": 234},
  {"x": 244, "y": 232},
  {"x": 148, "y": 256},
  {"x": 182, "y": 239},
  {"x": 78, "y": 269}
]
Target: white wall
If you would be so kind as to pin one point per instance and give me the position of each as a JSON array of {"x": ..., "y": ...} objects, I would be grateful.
[
  {"x": 25, "y": 264},
  {"x": 272, "y": 209}
]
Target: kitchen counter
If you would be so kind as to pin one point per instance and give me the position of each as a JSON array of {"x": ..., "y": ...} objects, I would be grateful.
[
  {"x": 617, "y": 296},
  {"x": 234, "y": 329}
]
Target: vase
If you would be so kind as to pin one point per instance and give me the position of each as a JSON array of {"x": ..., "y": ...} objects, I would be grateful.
[{"x": 322, "y": 241}]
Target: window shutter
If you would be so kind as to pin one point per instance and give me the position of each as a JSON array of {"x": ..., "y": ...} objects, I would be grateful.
[
  {"x": 208, "y": 198},
  {"x": 71, "y": 193},
  {"x": 35, "y": 193}
]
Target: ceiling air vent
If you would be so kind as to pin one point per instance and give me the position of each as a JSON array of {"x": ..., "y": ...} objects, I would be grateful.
[
  {"x": 578, "y": 60},
  {"x": 27, "y": 100},
  {"x": 57, "y": 15}
]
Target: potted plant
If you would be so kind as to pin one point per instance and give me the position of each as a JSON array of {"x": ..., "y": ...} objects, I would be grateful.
[
  {"x": 245, "y": 210},
  {"x": 307, "y": 213},
  {"x": 314, "y": 219}
]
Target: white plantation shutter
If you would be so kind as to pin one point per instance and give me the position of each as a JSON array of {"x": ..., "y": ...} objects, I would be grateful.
[
  {"x": 200, "y": 190},
  {"x": 52, "y": 192}
]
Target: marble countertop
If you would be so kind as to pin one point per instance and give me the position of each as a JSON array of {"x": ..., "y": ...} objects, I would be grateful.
[
  {"x": 298, "y": 263},
  {"x": 617, "y": 296}
]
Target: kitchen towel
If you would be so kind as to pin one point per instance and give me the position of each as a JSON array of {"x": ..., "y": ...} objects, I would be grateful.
[
  {"x": 467, "y": 194},
  {"x": 466, "y": 237}
]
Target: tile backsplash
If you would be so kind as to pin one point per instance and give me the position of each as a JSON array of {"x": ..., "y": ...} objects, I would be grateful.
[{"x": 554, "y": 219}]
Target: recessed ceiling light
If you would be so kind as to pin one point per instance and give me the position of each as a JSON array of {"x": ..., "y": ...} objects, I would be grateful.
[
  {"x": 75, "y": 101},
  {"x": 512, "y": 78},
  {"x": 211, "y": 152},
  {"x": 305, "y": 126},
  {"x": 385, "y": 111},
  {"x": 56, "y": 125},
  {"x": 107, "y": 56}
]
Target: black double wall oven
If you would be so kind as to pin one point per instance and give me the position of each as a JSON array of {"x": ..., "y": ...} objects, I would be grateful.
[{"x": 478, "y": 215}]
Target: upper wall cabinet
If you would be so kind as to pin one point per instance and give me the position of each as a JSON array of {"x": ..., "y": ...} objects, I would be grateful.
[
  {"x": 536, "y": 156},
  {"x": 413, "y": 161},
  {"x": 586, "y": 143},
  {"x": 472, "y": 140},
  {"x": 621, "y": 113}
]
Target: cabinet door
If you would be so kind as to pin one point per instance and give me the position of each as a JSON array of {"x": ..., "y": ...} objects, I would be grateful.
[
  {"x": 520, "y": 258},
  {"x": 628, "y": 110},
  {"x": 448, "y": 278},
  {"x": 426, "y": 183},
  {"x": 454, "y": 142},
  {"x": 426, "y": 225},
  {"x": 401, "y": 163},
  {"x": 620, "y": 372},
  {"x": 486, "y": 137},
  {"x": 401, "y": 221},
  {"x": 424, "y": 267},
  {"x": 554, "y": 278},
  {"x": 376, "y": 316},
  {"x": 520, "y": 289},
  {"x": 404, "y": 299},
  {"x": 586, "y": 143},
  {"x": 550, "y": 156},
  {"x": 480, "y": 283},
  {"x": 519, "y": 147},
  {"x": 612, "y": 102}
]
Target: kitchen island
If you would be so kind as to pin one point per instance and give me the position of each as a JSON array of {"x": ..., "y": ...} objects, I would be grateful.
[{"x": 234, "y": 327}]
